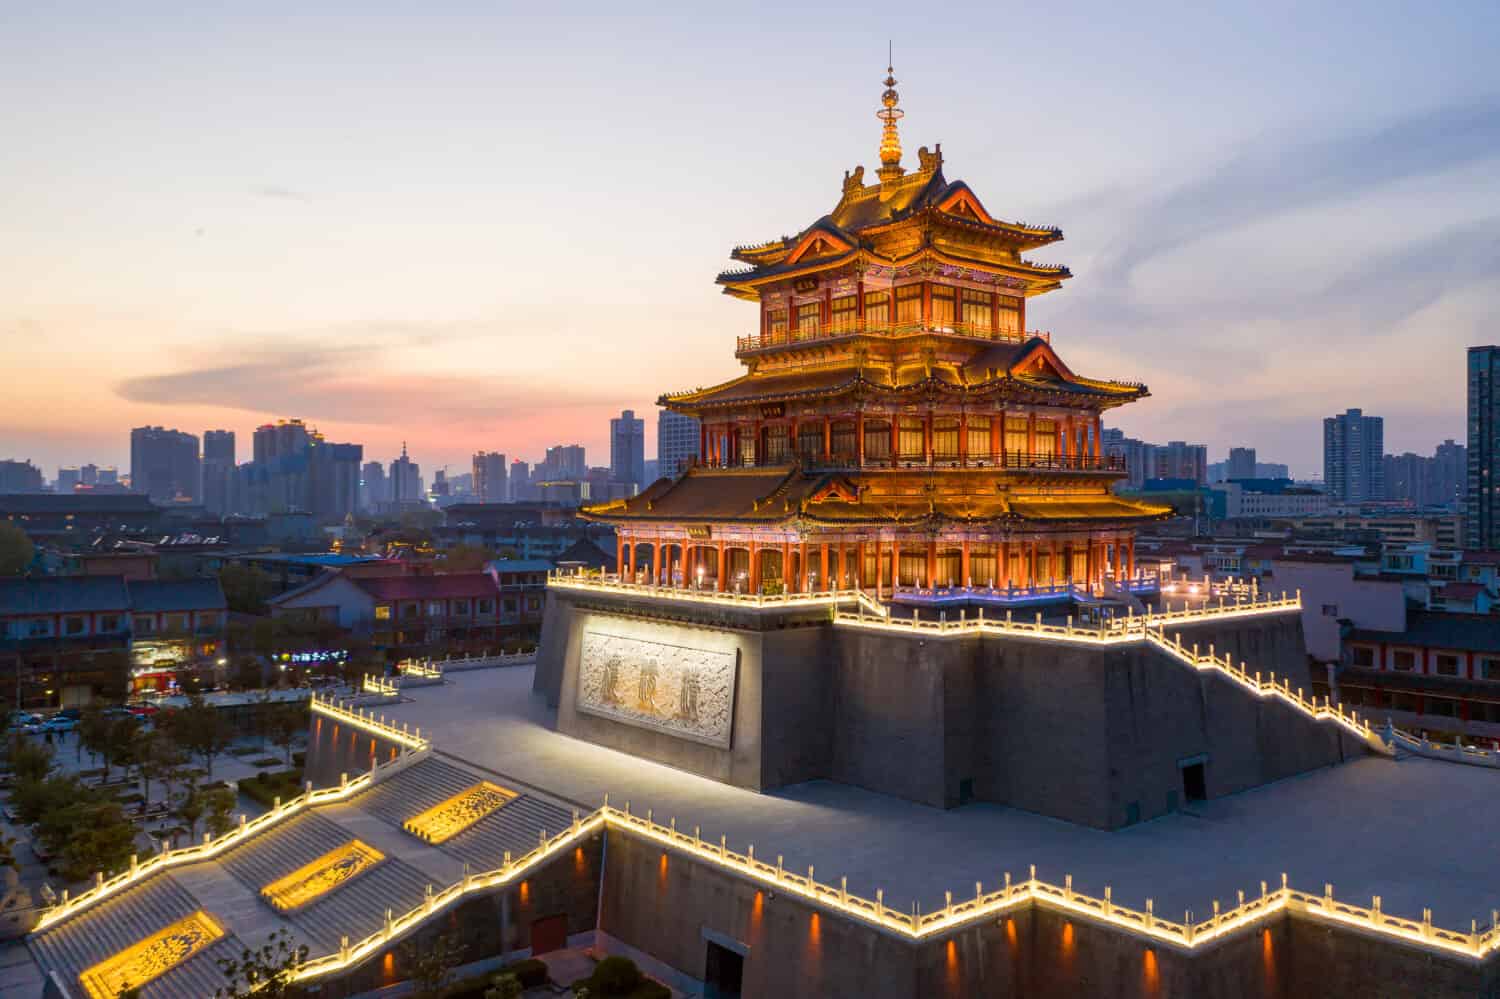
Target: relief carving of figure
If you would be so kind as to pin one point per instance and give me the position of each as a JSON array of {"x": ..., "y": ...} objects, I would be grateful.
[
  {"x": 646, "y": 687},
  {"x": 687, "y": 703}
]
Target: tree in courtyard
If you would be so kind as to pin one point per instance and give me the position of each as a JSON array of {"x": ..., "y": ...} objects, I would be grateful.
[
  {"x": 191, "y": 808},
  {"x": 8, "y": 853},
  {"x": 201, "y": 730},
  {"x": 219, "y": 804},
  {"x": 89, "y": 836},
  {"x": 93, "y": 732},
  {"x": 431, "y": 964},
  {"x": 267, "y": 973},
  {"x": 28, "y": 761},
  {"x": 284, "y": 723},
  {"x": 120, "y": 742},
  {"x": 246, "y": 588},
  {"x": 16, "y": 550}
]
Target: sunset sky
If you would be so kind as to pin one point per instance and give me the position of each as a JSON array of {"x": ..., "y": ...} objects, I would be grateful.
[{"x": 478, "y": 226}]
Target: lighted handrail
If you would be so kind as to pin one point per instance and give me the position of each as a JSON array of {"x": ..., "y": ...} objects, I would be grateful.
[
  {"x": 860, "y": 327},
  {"x": 414, "y": 748},
  {"x": 916, "y": 925}
]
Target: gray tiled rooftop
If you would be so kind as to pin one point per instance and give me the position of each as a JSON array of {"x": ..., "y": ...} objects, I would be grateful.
[{"x": 1416, "y": 832}]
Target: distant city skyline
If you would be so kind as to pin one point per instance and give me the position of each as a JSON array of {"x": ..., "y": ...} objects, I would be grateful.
[{"x": 448, "y": 254}]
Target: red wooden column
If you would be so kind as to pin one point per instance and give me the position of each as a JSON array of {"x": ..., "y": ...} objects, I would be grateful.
[
  {"x": 723, "y": 566},
  {"x": 1002, "y": 574},
  {"x": 630, "y": 561},
  {"x": 786, "y": 565},
  {"x": 1031, "y": 579},
  {"x": 703, "y": 442},
  {"x": 656, "y": 561},
  {"x": 827, "y": 437},
  {"x": 1097, "y": 435},
  {"x": 927, "y": 438},
  {"x": 1130, "y": 559},
  {"x": 802, "y": 566},
  {"x": 752, "y": 584},
  {"x": 859, "y": 439},
  {"x": 827, "y": 580},
  {"x": 963, "y": 438},
  {"x": 620, "y": 553},
  {"x": 997, "y": 427},
  {"x": 926, "y": 303},
  {"x": 843, "y": 563},
  {"x": 931, "y": 564},
  {"x": 963, "y": 568},
  {"x": 1030, "y": 434},
  {"x": 895, "y": 437}
]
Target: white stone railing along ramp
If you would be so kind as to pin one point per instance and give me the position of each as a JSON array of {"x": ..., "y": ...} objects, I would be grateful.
[
  {"x": 413, "y": 748},
  {"x": 1420, "y": 745},
  {"x": 914, "y": 925}
]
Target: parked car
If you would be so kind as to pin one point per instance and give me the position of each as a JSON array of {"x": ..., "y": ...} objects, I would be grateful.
[
  {"x": 73, "y": 713},
  {"x": 25, "y": 722},
  {"x": 59, "y": 723}
]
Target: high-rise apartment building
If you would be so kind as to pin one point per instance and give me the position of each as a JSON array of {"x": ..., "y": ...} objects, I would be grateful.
[
  {"x": 373, "y": 490},
  {"x": 69, "y": 479},
  {"x": 218, "y": 471},
  {"x": 1180, "y": 460},
  {"x": 406, "y": 480},
  {"x": 563, "y": 463},
  {"x": 677, "y": 441},
  {"x": 19, "y": 477},
  {"x": 164, "y": 464},
  {"x": 1353, "y": 457},
  {"x": 276, "y": 440},
  {"x": 490, "y": 477},
  {"x": 1482, "y": 492},
  {"x": 1241, "y": 464},
  {"x": 627, "y": 449},
  {"x": 89, "y": 475},
  {"x": 519, "y": 483}
]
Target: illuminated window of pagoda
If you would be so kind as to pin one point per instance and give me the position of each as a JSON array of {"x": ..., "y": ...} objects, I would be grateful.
[
  {"x": 913, "y": 568},
  {"x": 945, "y": 439},
  {"x": 1010, "y": 314},
  {"x": 979, "y": 437},
  {"x": 776, "y": 321},
  {"x": 983, "y": 569},
  {"x": 807, "y": 320},
  {"x": 747, "y": 449},
  {"x": 948, "y": 566},
  {"x": 942, "y": 305},
  {"x": 1046, "y": 437},
  {"x": 776, "y": 445},
  {"x": 877, "y": 308},
  {"x": 810, "y": 441},
  {"x": 1015, "y": 434},
  {"x": 877, "y": 439},
  {"x": 909, "y": 304},
  {"x": 912, "y": 439},
  {"x": 843, "y": 313},
  {"x": 976, "y": 308},
  {"x": 1080, "y": 565},
  {"x": 845, "y": 443}
]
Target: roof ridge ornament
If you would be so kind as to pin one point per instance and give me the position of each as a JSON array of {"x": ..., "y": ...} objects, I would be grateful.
[{"x": 890, "y": 139}]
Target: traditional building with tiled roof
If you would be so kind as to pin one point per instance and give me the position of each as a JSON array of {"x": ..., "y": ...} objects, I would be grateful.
[{"x": 895, "y": 423}]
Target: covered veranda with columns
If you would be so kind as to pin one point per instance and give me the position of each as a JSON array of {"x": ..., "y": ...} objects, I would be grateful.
[{"x": 773, "y": 560}]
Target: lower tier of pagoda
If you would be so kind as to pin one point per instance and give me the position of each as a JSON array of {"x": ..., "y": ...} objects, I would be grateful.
[{"x": 762, "y": 562}]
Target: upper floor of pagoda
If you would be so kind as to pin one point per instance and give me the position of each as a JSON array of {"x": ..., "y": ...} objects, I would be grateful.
[
  {"x": 917, "y": 222},
  {"x": 911, "y": 253}
]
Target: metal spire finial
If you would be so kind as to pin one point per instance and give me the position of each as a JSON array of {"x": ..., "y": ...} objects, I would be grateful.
[{"x": 889, "y": 114}]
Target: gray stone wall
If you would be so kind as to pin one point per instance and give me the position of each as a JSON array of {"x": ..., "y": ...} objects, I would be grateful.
[{"x": 1094, "y": 735}]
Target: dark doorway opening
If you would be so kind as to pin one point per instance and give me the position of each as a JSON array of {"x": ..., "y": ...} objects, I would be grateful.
[
  {"x": 965, "y": 790},
  {"x": 548, "y": 934},
  {"x": 1194, "y": 784},
  {"x": 723, "y": 974}
]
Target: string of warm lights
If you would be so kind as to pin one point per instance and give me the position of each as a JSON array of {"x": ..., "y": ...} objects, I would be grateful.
[{"x": 414, "y": 748}]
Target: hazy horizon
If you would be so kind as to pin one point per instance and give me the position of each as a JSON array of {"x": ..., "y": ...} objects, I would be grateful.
[{"x": 482, "y": 227}]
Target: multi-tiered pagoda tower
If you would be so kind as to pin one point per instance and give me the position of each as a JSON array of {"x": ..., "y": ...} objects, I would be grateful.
[{"x": 896, "y": 423}]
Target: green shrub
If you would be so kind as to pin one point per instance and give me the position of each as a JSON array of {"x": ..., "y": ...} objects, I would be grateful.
[
  {"x": 614, "y": 976},
  {"x": 531, "y": 972},
  {"x": 504, "y": 987}
]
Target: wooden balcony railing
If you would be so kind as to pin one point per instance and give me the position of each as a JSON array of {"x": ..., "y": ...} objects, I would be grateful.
[
  {"x": 844, "y": 461},
  {"x": 861, "y": 327}
]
